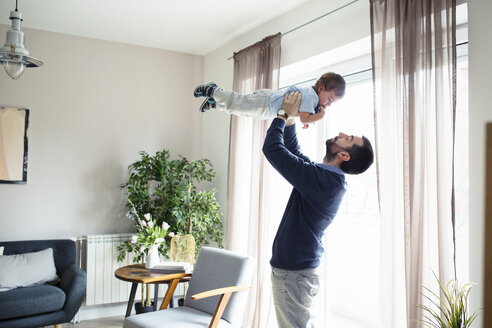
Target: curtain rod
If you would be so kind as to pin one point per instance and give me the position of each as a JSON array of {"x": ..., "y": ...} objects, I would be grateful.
[{"x": 313, "y": 20}]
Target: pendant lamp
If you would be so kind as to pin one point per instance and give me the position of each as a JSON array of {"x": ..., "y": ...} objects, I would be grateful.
[{"x": 13, "y": 55}]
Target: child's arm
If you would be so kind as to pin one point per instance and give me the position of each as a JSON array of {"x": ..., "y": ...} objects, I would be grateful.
[{"x": 306, "y": 117}]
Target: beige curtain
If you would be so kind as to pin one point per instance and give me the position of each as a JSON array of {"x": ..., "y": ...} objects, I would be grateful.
[
  {"x": 414, "y": 66},
  {"x": 253, "y": 207}
]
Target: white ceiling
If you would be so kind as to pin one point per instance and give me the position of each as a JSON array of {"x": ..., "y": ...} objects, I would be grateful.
[{"x": 190, "y": 26}]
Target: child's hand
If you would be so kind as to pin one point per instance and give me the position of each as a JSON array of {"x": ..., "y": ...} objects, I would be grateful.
[{"x": 305, "y": 126}]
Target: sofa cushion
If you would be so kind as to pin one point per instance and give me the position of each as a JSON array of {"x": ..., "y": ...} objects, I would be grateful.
[
  {"x": 27, "y": 301},
  {"x": 22, "y": 270}
]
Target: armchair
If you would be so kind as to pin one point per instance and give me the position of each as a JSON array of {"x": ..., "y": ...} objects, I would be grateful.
[
  {"x": 43, "y": 305},
  {"x": 214, "y": 296}
]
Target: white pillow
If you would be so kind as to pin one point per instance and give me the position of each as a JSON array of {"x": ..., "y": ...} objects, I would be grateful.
[
  {"x": 22, "y": 270},
  {"x": 1, "y": 250}
]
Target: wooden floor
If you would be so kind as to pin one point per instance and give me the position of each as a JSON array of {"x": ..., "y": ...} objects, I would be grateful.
[{"x": 112, "y": 322}]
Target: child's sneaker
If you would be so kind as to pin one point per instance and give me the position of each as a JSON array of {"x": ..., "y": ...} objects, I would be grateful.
[
  {"x": 205, "y": 90},
  {"x": 209, "y": 103}
]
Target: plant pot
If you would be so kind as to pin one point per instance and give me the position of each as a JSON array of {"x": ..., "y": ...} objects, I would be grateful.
[
  {"x": 143, "y": 309},
  {"x": 183, "y": 248}
]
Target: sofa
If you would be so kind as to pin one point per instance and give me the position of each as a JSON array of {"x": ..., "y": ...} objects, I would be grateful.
[{"x": 42, "y": 303}]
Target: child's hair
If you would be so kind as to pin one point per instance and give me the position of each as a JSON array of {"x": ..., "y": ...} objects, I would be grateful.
[{"x": 332, "y": 81}]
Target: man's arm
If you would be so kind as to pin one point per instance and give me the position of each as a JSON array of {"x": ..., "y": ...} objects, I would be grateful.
[
  {"x": 290, "y": 106},
  {"x": 282, "y": 151}
]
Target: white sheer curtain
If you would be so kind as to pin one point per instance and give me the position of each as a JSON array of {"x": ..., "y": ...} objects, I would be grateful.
[
  {"x": 254, "y": 205},
  {"x": 414, "y": 68}
]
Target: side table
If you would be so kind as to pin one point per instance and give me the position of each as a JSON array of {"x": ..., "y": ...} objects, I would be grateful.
[{"x": 138, "y": 274}]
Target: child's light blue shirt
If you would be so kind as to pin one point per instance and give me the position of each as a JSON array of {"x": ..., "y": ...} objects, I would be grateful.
[{"x": 309, "y": 101}]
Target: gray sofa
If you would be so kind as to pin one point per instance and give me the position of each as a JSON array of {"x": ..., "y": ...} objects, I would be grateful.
[{"x": 45, "y": 304}]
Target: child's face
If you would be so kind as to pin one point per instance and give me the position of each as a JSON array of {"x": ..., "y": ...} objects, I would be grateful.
[{"x": 326, "y": 98}]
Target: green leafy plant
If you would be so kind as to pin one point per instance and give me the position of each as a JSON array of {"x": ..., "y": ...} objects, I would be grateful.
[
  {"x": 450, "y": 311},
  {"x": 168, "y": 190}
]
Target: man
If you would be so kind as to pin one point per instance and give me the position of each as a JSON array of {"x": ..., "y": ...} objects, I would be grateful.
[{"x": 318, "y": 189}]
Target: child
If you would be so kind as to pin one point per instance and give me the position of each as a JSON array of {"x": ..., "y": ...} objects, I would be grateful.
[{"x": 265, "y": 103}]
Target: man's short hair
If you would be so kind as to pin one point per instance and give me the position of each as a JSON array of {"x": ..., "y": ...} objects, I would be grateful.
[
  {"x": 361, "y": 158},
  {"x": 332, "y": 81}
]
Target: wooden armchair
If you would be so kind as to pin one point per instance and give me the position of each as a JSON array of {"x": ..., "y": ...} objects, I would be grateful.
[{"x": 212, "y": 298}]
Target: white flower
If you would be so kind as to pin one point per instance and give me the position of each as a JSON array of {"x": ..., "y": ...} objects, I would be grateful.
[
  {"x": 165, "y": 226},
  {"x": 142, "y": 249},
  {"x": 142, "y": 223},
  {"x": 147, "y": 216},
  {"x": 159, "y": 240},
  {"x": 133, "y": 240},
  {"x": 171, "y": 234},
  {"x": 150, "y": 224}
]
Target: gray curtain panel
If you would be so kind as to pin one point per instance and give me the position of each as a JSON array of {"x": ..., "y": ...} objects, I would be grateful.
[
  {"x": 250, "y": 220},
  {"x": 414, "y": 74}
]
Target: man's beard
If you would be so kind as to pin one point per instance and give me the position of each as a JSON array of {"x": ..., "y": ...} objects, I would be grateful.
[{"x": 331, "y": 149}]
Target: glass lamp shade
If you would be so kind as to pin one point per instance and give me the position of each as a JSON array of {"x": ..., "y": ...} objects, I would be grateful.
[
  {"x": 14, "y": 68},
  {"x": 13, "y": 54}
]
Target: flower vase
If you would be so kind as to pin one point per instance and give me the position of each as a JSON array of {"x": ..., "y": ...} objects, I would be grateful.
[
  {"x": 183, "y": 248},
  {"x": 152, "y": 257}
]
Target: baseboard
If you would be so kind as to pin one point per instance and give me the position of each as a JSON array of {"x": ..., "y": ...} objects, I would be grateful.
[
  {"x": 108, "y": 310},
  {"x": 102, "y": 311}
]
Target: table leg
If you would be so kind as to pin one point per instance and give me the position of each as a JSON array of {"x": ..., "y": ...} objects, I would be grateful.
[
  {"x": 131, "y": 299},
  {"x": 156, "y": 296}
]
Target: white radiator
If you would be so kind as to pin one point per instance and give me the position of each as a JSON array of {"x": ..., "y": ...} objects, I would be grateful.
[{"x": 98, "y": 257}]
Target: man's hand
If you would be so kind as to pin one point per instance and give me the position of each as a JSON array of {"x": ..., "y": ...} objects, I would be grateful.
[{"x": 292, "y": 100}]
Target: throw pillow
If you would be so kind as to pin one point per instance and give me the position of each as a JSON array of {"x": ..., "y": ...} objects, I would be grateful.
[
  {"x": 1, "y": 250},
  {"x": 22, "y": 270}
]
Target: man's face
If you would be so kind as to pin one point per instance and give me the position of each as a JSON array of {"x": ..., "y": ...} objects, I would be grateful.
[
  {"x": 340, "y": 143},
  {"x": 326, "y": 98}
]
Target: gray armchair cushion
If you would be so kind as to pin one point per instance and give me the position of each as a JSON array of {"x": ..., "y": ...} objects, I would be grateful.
[
  {"x": 217, "y": 268},
  {"x": 174, "y": 318}
]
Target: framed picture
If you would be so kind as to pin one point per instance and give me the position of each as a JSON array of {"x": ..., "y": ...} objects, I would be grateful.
[{"x": 13, "y": 144}]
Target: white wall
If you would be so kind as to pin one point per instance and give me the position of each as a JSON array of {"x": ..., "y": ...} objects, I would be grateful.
[
  {"x": 94, "y": 105},
  {"x": 480, "y": 73}
]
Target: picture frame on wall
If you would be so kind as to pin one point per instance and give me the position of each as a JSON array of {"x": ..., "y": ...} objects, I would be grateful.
[{"x": 14, "y": 123}]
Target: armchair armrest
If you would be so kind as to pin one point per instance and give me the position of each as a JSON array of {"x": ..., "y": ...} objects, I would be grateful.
[
  {"x": 219, "y": 291},
  {"x": 73, "y": 283},
  {"x": 225, "y": 293}
]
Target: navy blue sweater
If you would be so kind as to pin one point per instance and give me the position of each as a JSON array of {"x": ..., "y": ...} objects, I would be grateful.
[{"x": 313, "y": 203}]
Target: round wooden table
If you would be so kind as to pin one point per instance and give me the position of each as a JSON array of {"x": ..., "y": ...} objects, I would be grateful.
[{"x": 138, "y": 274}]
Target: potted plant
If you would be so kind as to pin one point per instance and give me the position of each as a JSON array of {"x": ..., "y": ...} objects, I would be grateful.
[
  {"x": 168, "y": 190},
  {"x": 196, "y": 213},
  {"x": 451, "y": 310}
]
